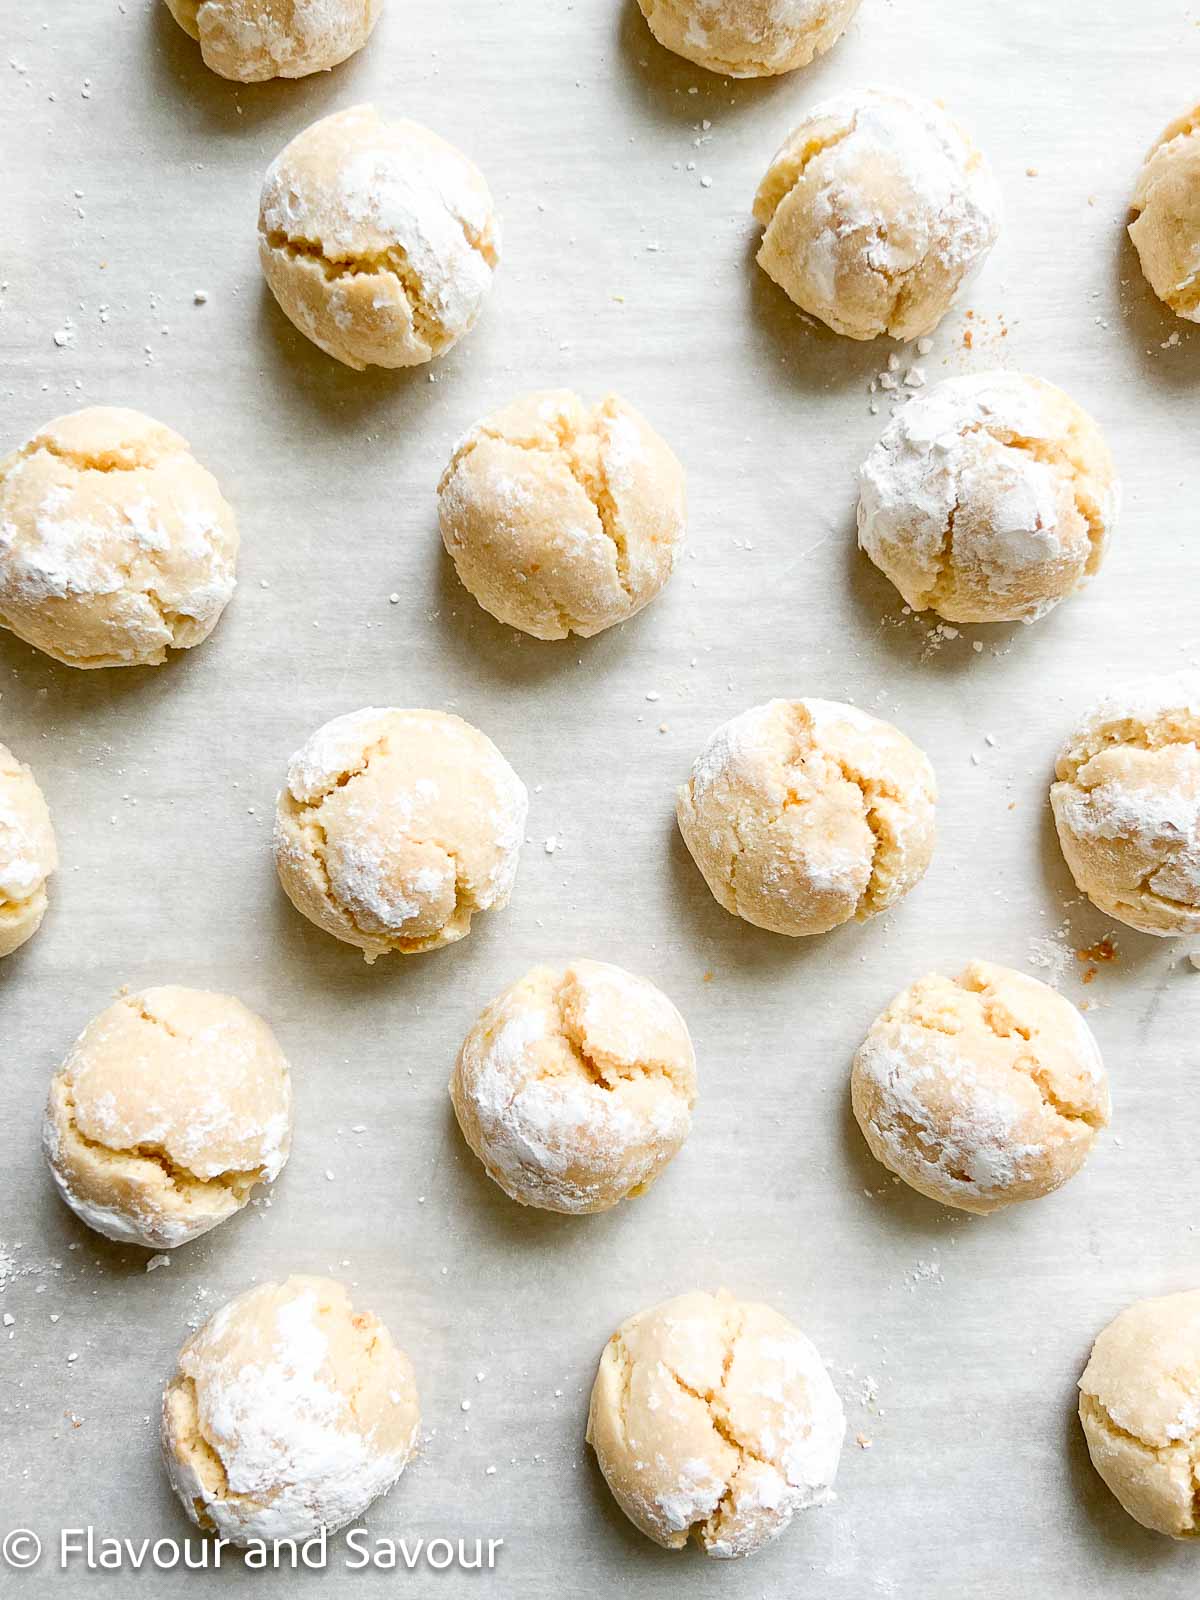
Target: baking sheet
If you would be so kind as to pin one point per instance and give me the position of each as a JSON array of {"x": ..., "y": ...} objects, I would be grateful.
[{"x": 624, "y": 177}]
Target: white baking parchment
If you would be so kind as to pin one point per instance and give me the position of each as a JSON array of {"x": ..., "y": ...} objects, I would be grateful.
[{"x": 625, "y": 178}]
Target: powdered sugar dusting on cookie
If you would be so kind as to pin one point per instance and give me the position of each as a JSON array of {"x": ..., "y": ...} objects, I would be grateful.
[{"x": 271, "y": 1399}]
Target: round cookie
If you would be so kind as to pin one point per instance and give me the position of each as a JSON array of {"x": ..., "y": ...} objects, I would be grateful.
[
  {"x": 715, "y": 1419},
  {"x": 28, "y": 853},
  {"x": 805, "y": 814},
  {"x": 252, "y": 40},
  {"x": 378, "y": 239},
  {"x": 748, "y": 38},
  {"x": 874, "y": 212},
  {"x": 115, "y": 543},
  {"x": 1139, "y": 1403},
  {"x": 396, "y": 827},
  {"x": 1166, "y": 230},
  {"x": 1127, "y": 804},
  {"x": 288, "y": 1412},
  {"x": 563, "y": 518},
  {"x": 168, "y": 1110},
  {"x": 980, "y": 1090},
  {"x": 575, "y": 1087},
  {"x": 989, "y": 498}
]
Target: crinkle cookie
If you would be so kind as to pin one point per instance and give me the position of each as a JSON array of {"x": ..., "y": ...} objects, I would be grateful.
[
  {"x": 170, "y": 1108},
  {"x": 1127, "y": 804},
  {"x": 805, "y": 814},
  {"x": 251, "y": 40},
  {"x": 561, "y": 517},
  {"x": 875, "y": 211},
  {"x": 989, "y": 498},
  {"x": 396, "y": 827},
  {"x": 289, "y": 1412},
  {"x": 378, "y": 239},
  {"x": 1166, "y": 229},
  {"x": 714, "y": 1419},
  {"x": 575, "y": 1087},
  {"x": 749, "y": 38},
  {"x": 980, "y": 1090},
  {"x": 28, "y": 853},
  {"x": 1139, "y": 1403},
  {"x": 115, "y": 543}
]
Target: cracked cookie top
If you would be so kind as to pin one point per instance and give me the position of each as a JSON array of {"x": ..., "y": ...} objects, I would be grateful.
[
  {"x": 378, "y": 239},
  {"x": 988, "y": 499},
  {"x": 1126, "y": 804},
  {"x": 874, "y": 212},
  {"x": 28, "y": 852},
  {"x": 980, "y": 1090},
  {"x": 396, "y": 827},
  {"x": 805, "y": 814},
  {"x": 289, "y": 1411},
  {"x": 748, "y": 38},
  {"x": 115, "y": 543},
  {"x": 252, "y": 40},
  {"x": 714, "y": 1419},
  {"x": 169, "y": 1108},
  {"x": 1139, "y": 1403},
  {"x": 562, "y": 517},
  {"x": 575, "y": 1087}
]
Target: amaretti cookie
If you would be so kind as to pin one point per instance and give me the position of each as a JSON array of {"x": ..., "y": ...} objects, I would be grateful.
[
  {"x": 575, "y": 1086},
  {"x": 562, "y": 517},
  {"x": 1126, "y": 802},
  {"x": 875, "y": 211},
  {"x": 1166, "y": 227},
  {"x": 989, "y": 498},
  {"x": 170, "y": 1108},
  {"x": 289, "y": 1412},
  {"x": 980, "y": 1090},
  {"x": 395, "y": 828},
  {"x": 378, "y": 239},
  {"x": 714, "y": 1419},
  {"x": 251, "y": 40},
  {"x": 116, "y": 545},
  {"x": 749, "y": 38},
  {"x": 805, "y": 814},
  {"x": 1139, "y": 1404},
  {"x": 28, "y": 853}
]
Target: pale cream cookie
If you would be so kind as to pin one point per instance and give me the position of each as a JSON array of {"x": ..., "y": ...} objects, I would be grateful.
[
  {"x": 378, "y": 239},
  {"x": 1166, "y": 230},
  {"x": 28, "y": 853},
  {"x": 575, "y": 1087},
  {"x": 115, "y": 543},
  {"x": 171, "y": 1106},
  {"x": 715, "y": 1419},
  {"x": 805, "y": 814},
  {"x": 1139, "y": 1403},
  {"x": 289, "y": 1412},
  {"x": 251, "y": 40},
  {"x": 980, "y": 1090},
  {"x": 396, "y": 827},
  {"x": 749, "y": 38},
  {"x": 561, "y": 517},
  {"x": 875, "y": 211},
  {"x": 1127, "y": 804},
  {"x": 989, "y": 498}
]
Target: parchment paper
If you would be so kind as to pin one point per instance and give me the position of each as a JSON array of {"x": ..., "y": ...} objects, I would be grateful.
[{"x": 625, "y": 179}]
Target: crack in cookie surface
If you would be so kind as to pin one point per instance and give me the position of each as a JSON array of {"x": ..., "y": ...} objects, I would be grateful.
[
  {"x": 392, "y": 262},
  {"x": 564, "y": 445}
]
